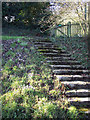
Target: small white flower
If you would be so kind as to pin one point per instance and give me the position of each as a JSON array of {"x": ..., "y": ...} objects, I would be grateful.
[{"x": 30, "y": 75}]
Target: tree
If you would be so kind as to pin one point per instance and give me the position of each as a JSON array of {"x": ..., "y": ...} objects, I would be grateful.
[
  {"x": 10, "y": 9},
  {"x": 25, "y": 13},
  {"x": 62, "y": 12}
]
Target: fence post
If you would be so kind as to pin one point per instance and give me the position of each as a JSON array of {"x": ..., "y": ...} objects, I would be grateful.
[
  {"x": 69, "y": 29},
  {"x": 88, "y": 37}
]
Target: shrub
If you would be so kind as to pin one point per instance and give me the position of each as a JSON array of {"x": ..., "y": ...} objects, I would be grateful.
[{"x": 47, "y": 110}]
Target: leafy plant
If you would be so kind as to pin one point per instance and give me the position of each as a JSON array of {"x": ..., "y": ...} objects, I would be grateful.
[
  {"x": 72, "y": 113},
  {"x": 13, "y": 45},
  {"x": 47, "y": 110},
  {"x": 23, "y": 43}
]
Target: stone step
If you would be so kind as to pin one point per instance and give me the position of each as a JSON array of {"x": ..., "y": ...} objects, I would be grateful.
[
  {"x": 70, "y": 72},
  {"x": 44, "y": 45},
  {"x": 51, "y": 51},
  {"x": 42, "y": 42},
  {"x": 48, "y": 52},
  {"x": 56, "y": 54},
  {"x": 67, "y": 67},
  {"x": 80, "y": 102},
  {"x": 78, "y": 93},
  {"x": 86, "y": 113},
  {"x": 76, "y": 84},
  {"x": 62, "y": 62},
  {"x": 59, "y": 58},
  {"x": 48, "y": 41},
  {"x": 49, "y": 48},
  {"x": 86, "y": 110},
  {"x": 85, "y": 78}
]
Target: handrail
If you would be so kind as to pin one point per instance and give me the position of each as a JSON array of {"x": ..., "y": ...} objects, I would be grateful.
[
  {"x": 68, "y": 25},
  {"x": 62, "y": 33},
  {"x": 68, "y": 30}
]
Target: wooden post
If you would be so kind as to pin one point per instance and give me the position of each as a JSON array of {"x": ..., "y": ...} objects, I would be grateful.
[
  {"x": 85, "y": 17},
  {"x": 88, "y": 37},
  {"x": 69, "y": 29}
]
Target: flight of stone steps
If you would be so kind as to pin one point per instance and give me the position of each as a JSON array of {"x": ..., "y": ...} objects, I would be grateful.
[{"x": 69, "y": 72}]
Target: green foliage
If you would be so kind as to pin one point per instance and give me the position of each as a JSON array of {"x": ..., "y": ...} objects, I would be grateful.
[
  {"x": 14, "y": 103},
  {"x": 11, "y": 37},
  {"x": 10, "y": 52},
  {"x": 72, "y": 113},
  {"x": 23, "y": 43},
  {"x": 13, "y": 45},
  {"x": 28, "y": 88},
  {"x": 47, "y": 110},
  {"x": 78, "y": 49},
  {"x": 26, "y": 14}
]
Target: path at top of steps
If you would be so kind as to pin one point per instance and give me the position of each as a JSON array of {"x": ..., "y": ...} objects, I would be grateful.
[{"x": 69, "y": 72}]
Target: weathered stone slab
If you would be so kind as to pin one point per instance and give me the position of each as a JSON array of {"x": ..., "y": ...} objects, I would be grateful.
[
  {"x": 43, "y": 43},
  {"x": 63, "y": 62},
  {"x": 59, "y": 58},
  {"x": 67, "y": 67},
  {"x": 78, "y": 93},
  {"x": 70, "y": 72},
  {"x": 59, "y": 54},
  {"x": 80, "y": 101},
  {"x": 77, "y": 84},
  {"x": 72, "y": 77}
]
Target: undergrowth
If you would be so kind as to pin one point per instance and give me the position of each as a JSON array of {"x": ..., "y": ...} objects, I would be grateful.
[
  {"x": 28, "y": 89},
  {"x": 76, "y": 46}
]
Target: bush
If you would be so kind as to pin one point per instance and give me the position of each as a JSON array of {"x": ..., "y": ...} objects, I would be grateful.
[{"x": 48, "y": 110}]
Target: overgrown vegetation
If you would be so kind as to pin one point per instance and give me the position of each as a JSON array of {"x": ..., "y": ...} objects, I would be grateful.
[
  {"x": 28, "y": 89},
  {"x": 76, "y": 46}
]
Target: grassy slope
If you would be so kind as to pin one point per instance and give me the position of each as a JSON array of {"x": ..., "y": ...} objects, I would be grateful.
[
  {"x": 27, "y": 84},
  {"x": 76, "y": 46}
]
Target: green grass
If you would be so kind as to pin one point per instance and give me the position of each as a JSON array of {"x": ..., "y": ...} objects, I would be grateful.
[{"x": 10, "y": 37}]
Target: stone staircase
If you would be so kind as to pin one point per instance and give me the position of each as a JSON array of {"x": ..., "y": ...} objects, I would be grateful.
[{"x": 69, "y": 72}]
